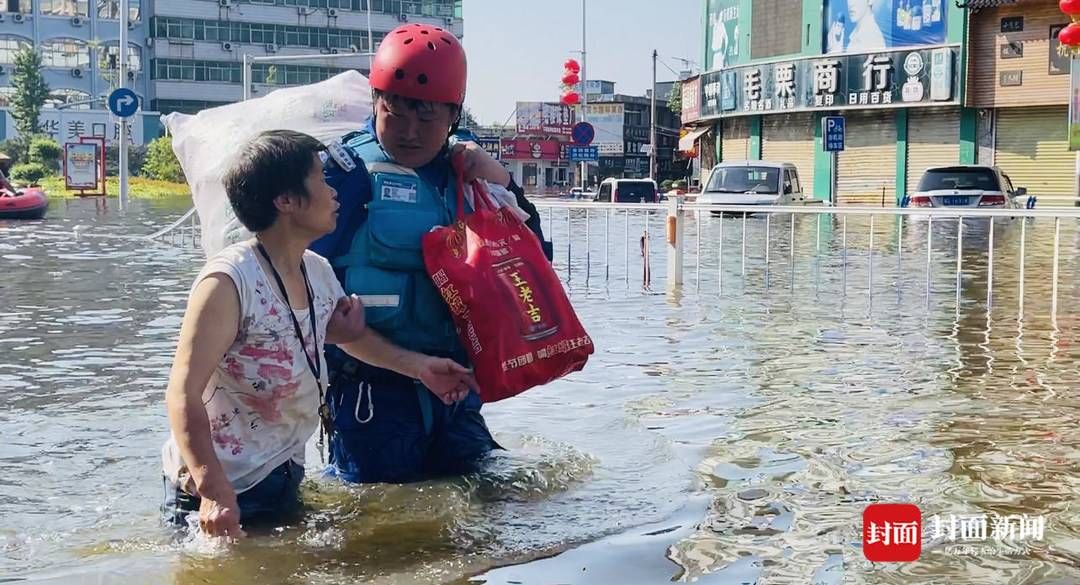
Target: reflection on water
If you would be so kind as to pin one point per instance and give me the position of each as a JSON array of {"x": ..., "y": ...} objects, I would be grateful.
[{"x": 730, "y": 433}]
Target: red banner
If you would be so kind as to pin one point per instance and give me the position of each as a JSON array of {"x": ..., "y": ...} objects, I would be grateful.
[{"x": 531, "y": 150}]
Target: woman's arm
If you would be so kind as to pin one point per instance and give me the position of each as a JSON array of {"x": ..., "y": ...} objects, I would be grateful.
[{"x": 209, "y": 328}]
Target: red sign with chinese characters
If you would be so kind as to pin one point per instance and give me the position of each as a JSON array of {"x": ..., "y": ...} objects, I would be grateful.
[
  {"x": 892, "y": 533},
  {"x": 531, "y": 150}
]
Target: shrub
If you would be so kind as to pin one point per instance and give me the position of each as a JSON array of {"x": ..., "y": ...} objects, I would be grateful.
[
  {"x": 45, "y": 151},
  {"x": 136, "y": 159},
  {"x": 29, "y": 173},
  {"x": 160, "y": 162}
]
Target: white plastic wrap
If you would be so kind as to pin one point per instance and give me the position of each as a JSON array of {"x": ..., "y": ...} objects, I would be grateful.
[{"x": 206, "y": 143}]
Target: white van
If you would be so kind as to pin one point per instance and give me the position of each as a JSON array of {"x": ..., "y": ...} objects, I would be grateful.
[
  {"x": 753, "y": 182},
  {"x": 628, "y": 191}
]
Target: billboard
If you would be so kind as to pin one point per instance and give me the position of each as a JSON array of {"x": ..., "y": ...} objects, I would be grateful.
[
  {"x": 691, "y": 100},
  {"x": 81, "y": 165},
  {"x": 607, "y": 119},
  {"x": 853, "y": 26},
  {"x": 723, "y": 47},
  {"x": 544, "y": 118},
  {"x": 520, "y": 149},
  {"x": 491, "y": 144}
]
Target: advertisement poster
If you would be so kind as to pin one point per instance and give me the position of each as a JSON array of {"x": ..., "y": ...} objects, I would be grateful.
[
  {"x": 607, "y": 120},
  {"x": 691, "y": 100},
  {"x": 544, "y": 118},
  {"x": 81, "y": 166},
  {"x": 853, "y": 26},
  {"x": 722, "y": 34}
]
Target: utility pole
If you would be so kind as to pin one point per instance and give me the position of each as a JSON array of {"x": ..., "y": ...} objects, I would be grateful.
[
  {"x": 122, "y": 82},
  {"x": 652, "y": 123},
  {"x": 584, "y": 94}
]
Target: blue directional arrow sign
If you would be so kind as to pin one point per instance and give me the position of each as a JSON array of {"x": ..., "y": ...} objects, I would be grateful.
[{"x": 123, "y": 102}]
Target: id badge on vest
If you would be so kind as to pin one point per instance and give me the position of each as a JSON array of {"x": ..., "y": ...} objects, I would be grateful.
[{"x": 397, "y": 188}]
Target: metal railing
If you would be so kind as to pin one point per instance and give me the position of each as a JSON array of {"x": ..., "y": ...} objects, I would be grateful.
[{"x": 722, "y": 243}]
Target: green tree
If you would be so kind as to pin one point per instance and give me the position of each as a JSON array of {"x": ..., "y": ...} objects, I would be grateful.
[
  {"x": 468, "y": 120},
  {"x": 29, "y": 92},
  {"x": 161, "y": 162},
  {"x": 674, "y": 99},
  {"x": 46, "y": 151}
]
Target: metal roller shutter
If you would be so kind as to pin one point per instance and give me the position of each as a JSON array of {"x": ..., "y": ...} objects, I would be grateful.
[
  {"x": 790, "y": 138},
  {"x": 1032, "y": 148},
  {"x": 867, "y": 167},
  {"x": 933, "y": 141},
  {"x": 736, "y": 137}
]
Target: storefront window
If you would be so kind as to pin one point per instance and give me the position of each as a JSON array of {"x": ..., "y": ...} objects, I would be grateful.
[
  {"x": 58, "y": 97},
  {"x": 22, "y": 6},
  {"x": 110, "y": 9},
  {"x": 64, "y": 8},
  {"x": 65, "y": 53},
  {"x": 9, "y": 45}
]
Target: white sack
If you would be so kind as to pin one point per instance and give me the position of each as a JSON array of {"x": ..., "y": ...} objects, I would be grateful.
[{"x": 206, "y": 143}]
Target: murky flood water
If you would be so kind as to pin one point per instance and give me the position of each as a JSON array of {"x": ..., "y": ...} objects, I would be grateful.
[{"x": 732, "y": 433}]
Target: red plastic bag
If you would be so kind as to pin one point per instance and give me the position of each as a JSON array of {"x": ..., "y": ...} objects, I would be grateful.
[{"x": 510, "y": 309}]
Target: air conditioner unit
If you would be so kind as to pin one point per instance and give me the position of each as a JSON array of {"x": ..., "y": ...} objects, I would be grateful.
[
  {"x": 324, "y": 50},
  {"x": 2, "y": 16},
  {"x": 18, "y": 17},
  {"x": 76, "y": 21},
  {"x": 331, "y": 12},
  {"x": 3, "y": 70},
  {"x": 224, "y": 3},
  {"x": 131, "y": 75},
  {"x": 403, "y": 17},
  {"x": 132, "y": 24},
  {"x": 333, "y": 51},
  {"x": 149, "y": 41},
  {"x": 271, "y": 47},
  {"x": 226, "y": 46},
  {"x": 76, "y": 72},
  {"x": 448, "y": 21},
  {"x": 354, "y": 48}
]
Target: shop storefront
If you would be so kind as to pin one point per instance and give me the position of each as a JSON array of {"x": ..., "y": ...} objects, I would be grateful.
[
  {"x": 1020, "y": 84},
  {"x": 901, "y": 108}
]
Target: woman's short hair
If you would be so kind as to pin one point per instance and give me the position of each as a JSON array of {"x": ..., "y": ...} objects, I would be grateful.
[{"x": 273, "y": 163}]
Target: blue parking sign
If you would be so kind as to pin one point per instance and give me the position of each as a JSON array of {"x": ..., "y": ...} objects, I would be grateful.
[{"x": 832, "y": 132}]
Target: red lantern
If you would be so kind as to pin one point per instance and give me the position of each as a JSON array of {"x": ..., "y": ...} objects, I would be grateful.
[
  {"x": 571, "y": 98},
  {"x": 572, "y": 66},
  {"x": 1070, "y": 35},
  {"x": 570, "y": 79},
  {"x": 1070, "y": 7}
]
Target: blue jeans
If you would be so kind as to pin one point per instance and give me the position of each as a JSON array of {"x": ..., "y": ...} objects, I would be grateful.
[{"x": 275, "y": 499}]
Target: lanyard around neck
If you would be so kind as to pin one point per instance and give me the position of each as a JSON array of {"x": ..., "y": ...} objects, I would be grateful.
[{"x": 316, "y": 365}]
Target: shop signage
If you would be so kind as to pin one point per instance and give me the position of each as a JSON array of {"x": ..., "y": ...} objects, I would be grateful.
[
  {"x": 491, "y": 144},
  {"x": 870, "y": 80},
  {"x": 1012, "y": 78},
  {"x": 1012, "y": 24},
  {"x": 1012, "y": 50},
  {"x": 532, "y": 150},
  {"x": 1074, "y": 106},
  {"x": 1059, "y": 60},
  {"x": 544, "y": 118}
]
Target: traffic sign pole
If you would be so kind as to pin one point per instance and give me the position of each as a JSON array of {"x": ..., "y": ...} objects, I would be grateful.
[
  {"x": 123, "y": 148},
  {"x": 833, "y": 134}
]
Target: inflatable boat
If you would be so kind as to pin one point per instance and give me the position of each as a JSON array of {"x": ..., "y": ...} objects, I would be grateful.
[{"x": 28, "y": 203}]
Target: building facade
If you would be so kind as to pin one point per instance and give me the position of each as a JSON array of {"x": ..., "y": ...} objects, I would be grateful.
[
  {"x": 919, "y": 83},
  {"x": 186, "y": 55}
]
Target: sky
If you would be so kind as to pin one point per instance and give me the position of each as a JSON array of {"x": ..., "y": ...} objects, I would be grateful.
[{"x": 516, "y": 48}]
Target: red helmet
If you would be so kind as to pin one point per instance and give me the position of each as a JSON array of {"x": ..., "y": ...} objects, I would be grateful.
[{"x": 422, "y": 62}]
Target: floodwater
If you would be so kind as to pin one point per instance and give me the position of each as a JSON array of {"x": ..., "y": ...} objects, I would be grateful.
[{"x": 732, "y": 432}]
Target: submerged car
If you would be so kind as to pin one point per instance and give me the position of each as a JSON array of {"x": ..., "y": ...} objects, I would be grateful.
[
  {"x": 967, "y": 186},
  {"x": 753, "y": 183}
]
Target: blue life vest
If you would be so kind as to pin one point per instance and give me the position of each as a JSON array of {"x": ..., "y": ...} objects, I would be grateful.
[{"x": 376, "y": 251}]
